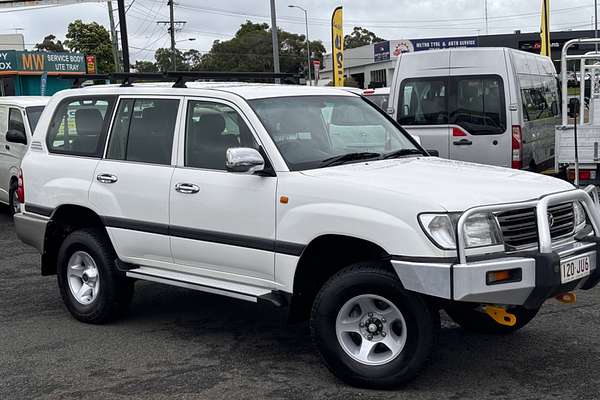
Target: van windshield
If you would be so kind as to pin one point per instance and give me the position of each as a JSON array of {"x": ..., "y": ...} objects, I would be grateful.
[
  {"x": 33, "y": 116},
  {"x": 310, "y": 130}
]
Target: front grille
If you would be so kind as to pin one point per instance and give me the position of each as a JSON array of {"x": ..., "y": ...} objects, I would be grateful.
[{"x": 519, "y": 227}]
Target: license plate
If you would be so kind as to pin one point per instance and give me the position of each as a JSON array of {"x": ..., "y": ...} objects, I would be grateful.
[{"x": 574, "y": 269}]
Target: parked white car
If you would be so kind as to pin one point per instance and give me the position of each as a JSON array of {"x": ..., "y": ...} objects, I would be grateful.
[
  {"x": 275, "y": 193},
  {"x": 495, "y": 106},
  {"x": 18, "y": 118}
]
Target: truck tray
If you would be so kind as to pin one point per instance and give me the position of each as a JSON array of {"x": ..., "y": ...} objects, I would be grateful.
[{"x": 588, "y": 143}]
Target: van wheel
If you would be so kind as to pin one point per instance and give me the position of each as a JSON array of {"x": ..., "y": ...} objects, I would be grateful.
[
  {"x": 470, "y": 318},
  {"x": 369, "y": 330},
  {"x": 91, "y": 287},
  {"x": 13, "y": 203}
]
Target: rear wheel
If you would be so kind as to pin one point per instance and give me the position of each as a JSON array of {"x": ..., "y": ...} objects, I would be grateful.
[
  {"x": 13, "y": 202},
  {"x": 370, "y": 331},
  {"x": 471, "y": 317},
  {"x": 92, "y": 288}
]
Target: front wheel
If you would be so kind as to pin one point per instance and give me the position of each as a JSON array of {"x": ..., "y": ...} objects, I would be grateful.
[
  {"x": 471, "y": 317},
  {"x": 369, "y": 330},
  {"x": 92, "y": 288}
]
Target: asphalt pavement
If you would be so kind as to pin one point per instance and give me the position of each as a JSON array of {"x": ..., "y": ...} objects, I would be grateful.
[{"x": 182, "y": 344}]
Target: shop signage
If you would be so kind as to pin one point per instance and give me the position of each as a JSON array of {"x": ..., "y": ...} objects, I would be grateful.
[{"x": 39, "y": 62}]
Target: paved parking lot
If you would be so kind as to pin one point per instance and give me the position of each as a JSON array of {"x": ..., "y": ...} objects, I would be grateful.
[{"x": 182, "y": 344}]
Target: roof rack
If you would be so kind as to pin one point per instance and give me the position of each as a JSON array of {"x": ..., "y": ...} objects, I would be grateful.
[
  {"x": 78, "y": 79},
  {"x": 181, "y": 77}
]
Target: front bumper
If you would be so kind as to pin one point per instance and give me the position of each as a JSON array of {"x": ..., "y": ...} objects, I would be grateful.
[{"x": 465, "y": 279}]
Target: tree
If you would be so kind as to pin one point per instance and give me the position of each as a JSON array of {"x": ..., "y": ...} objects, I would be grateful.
[
  {"x": 50, "y": 44},
  {"x": 164, "y": 62},
  {"x": 91, "y": 39},
  {"x": 251, "y": 49},
  {"x": 193, "y": 59},
  {"x": 145, "y": 66},
  {"x": 360, "y": 37}
]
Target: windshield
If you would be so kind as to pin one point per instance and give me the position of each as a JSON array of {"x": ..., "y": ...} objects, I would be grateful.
[
  {"x": 309, "y": 130},
  {"x": 33, "y": 116}
]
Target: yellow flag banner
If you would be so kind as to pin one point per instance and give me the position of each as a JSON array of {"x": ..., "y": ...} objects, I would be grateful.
[
  {"x": 545, "y": 29},
  {"x": 337, "y": 43}
]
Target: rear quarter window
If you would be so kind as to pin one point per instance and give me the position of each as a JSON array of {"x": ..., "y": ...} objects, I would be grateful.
[{"x": 79, "y": 126}]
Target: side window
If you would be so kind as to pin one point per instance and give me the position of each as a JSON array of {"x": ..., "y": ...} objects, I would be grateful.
[
  {"x": 15, "y": 121},
  {"x": 143, "y": 131},
  {"x": 211, "y": 129},
  {"x": 423, "y": 102},
  {"x": 539, "y": 95},
  {"x": 79, "y": 126},
  {"x": 479, "y": 104}
]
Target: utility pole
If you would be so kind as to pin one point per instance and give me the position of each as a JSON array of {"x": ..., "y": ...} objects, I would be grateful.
[
  {"x": 113, "y": 35},
  {"x": 486, "y": 18},
  {"x": 124, "y": 39},
  {"x": 275, "y": 40},
  {"x": 596, "y": 22},
  {"x": 171, "y": 23},
  {"x": 172, "y": 29}
]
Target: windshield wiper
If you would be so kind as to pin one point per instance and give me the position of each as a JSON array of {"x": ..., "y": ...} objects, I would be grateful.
[
  {"x": 348, "y": 157},
  {"x": 403, "y": 152}
]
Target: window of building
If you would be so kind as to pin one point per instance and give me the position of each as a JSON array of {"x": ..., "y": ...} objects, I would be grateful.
[
  {"x": 79, "y": 126},
  {"x": 143, "y": 131}
]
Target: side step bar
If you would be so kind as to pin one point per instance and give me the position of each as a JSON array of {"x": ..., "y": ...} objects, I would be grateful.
[{"x": 252, "y": 294}]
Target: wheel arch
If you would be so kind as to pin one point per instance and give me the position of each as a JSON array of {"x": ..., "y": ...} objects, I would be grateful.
[
  {"x": 64, "y": 220},
  {"x": 322, "y": 258}
]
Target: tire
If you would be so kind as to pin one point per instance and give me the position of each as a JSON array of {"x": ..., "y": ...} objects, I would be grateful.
[
  {"x": 375, "y": 284},
  {"x": 108, "y": 291},
  {"x": 13, "y": 206},
  {"x": 471, "y": 319}
]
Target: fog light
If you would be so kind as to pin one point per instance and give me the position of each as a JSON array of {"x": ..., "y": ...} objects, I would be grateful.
[{"x": 504, "y": 276}]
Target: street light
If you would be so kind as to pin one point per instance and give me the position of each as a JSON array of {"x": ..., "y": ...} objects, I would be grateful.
[
  {"x": 186, "y": 40},
  {"x": 307, "y": 42}
]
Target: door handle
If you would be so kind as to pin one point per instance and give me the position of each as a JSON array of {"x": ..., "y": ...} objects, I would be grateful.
[
  {"x": 463, "y": 142},
  {"x": 187, "y": 188},
  {"x": 106, "y": 178}
]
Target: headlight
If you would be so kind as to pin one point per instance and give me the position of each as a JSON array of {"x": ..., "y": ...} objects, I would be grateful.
[
  {"x": 480, "y": 230},
  {"x": 579, "y": 216}
]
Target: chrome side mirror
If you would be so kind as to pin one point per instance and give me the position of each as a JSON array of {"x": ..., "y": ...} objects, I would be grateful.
[{"x": 244, "y": 159}]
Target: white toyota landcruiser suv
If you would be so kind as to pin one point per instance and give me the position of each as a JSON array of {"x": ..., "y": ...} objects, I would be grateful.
[{"x": 309, "y": 198}]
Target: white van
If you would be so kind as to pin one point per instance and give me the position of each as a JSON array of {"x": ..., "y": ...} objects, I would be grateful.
[
  {"x": 494, "y": 106},
  {"x": 18, "y": 118}
]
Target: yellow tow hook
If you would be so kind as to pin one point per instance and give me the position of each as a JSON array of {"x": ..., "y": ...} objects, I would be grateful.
[
  {"x": 567, "y": 298},
  {"x": 500, "y": 315}
]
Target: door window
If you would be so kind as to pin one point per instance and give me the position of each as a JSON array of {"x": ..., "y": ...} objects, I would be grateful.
[
  {"x": 423, "y": 102},
  {"x": 479, "y": 105},
  {"x": 143, "y": 131},
  {"x": 79, "y": 126},
  {"x": 211, "y": 129},
  {"x": 15, "y": 121}
]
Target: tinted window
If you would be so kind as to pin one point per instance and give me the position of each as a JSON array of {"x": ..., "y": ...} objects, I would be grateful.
[
  {"x": 79, "y": 126},
  {"x": 307, "y": 130},
  {"x": 539, "y": 95},
  {"x": 143, "y": 131},
  {"x": 423, "y": 102},
  {"x": 211, "y": 129},
  {"x": 380, "y": 100},
  {"x": 33, "y": 116},
  {"x": 478, "y": 104},
  {"x": 15, "y": 120}
]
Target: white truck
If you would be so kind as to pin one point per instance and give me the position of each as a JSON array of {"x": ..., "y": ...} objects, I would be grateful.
[
  {"x": 262, "y": 193},
  {"x": 578, "y": 136},
  {"x": 18, "y": 119}
]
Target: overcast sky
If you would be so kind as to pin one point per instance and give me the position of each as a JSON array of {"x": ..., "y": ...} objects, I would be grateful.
[{"x": 208, "y": 20}]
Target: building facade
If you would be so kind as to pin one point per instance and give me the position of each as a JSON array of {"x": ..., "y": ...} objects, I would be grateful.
[{"x": 373, "y": 65}]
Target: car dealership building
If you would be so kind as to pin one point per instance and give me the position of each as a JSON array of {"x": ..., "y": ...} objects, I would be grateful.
[{"x": 373, "y": 65}]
